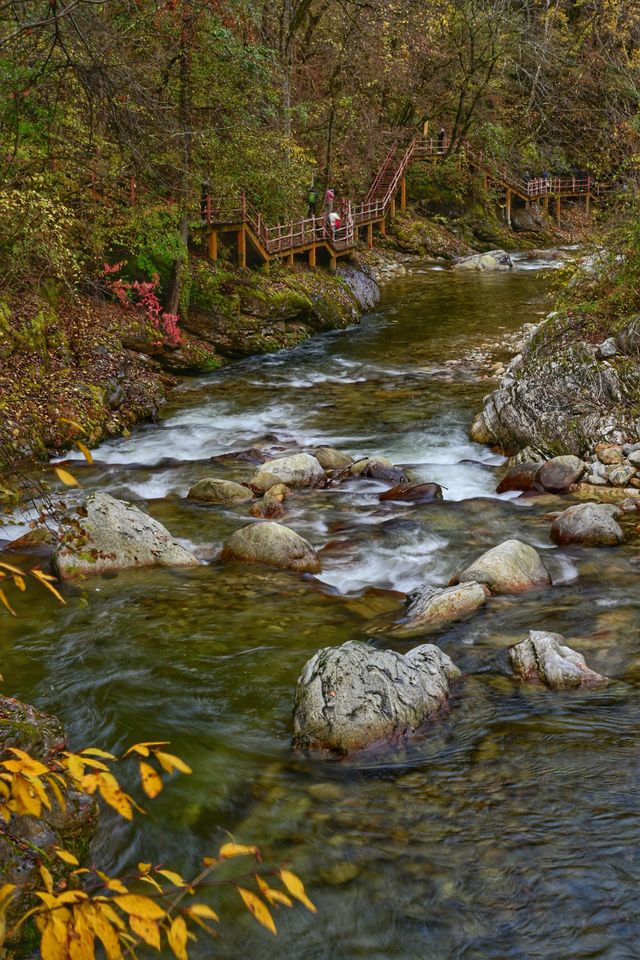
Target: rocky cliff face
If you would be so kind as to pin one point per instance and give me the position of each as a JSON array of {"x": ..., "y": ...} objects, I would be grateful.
[{"x": 568, "y": 390}]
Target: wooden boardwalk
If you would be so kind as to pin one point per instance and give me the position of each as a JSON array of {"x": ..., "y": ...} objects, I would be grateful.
[{"x": 388, "y": 191}]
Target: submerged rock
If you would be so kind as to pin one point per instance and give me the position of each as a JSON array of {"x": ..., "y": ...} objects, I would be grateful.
[
  {"x": 270, "y": 505},
  {"x": 521, "y": 476},
  {"x": 331, "y": 459},
  {"x": 114, "y": 535},
  {"x": 491, "y": 260},
  {"x": 378, "y": 468},
  {"x": 298, "y": 470},
  {"x": 432, "y": 604},
  {"x": 273, "y": 544},
  {"x": 413, "y": 492},
  {"x": 212, "y": 490},
  {"x": 354, "y": 696},
  {"x": 511, "y": 567},
  {"x": 592, "y": 524},
  {"x": 543, "y": 658},
  {"x": 559, "y": 473}
]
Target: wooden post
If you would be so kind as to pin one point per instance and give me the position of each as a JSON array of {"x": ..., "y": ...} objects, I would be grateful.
[
  {"x": 312, "y": 255},
  {"x": 242, "y": 248},
  {"x": 370, "y": 235},
  {"x": 586, "y": 201},
  {"x": 546, "y": 203},
  {"x": 508, "y": 208},
  {"x": 558, "y": 210},
  {"x": 212, "y": 245},
  {"x": 393, "y": 206},
  {"x": 290, "y": 258},
  {"x": 333, "y": 262},
  {"x": 403, "y": 194},
  {"x": 383, "y": 228}
]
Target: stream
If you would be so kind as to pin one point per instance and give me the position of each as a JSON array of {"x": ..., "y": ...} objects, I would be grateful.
[{"x": 509, "y": 830}]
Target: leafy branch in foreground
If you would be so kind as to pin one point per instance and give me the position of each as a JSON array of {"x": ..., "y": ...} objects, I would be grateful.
[{"x": 88, "y": 905}]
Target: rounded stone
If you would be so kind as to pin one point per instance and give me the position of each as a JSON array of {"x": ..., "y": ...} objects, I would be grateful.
[
  {"x": 272, "y": 544},
  {"x": 511, "y": 567},
  {"x": 591, "y": 524},
  {"x": 558, "y": 474},
  {"x": 212, "y": 490},
  {"x": 521, "y": 476},
  {"x": 413, "y": 492},
  {"x": 298, "y": 470}
]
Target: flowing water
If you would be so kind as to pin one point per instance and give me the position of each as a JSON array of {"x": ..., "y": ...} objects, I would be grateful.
[{"x": 510, "y": 829}]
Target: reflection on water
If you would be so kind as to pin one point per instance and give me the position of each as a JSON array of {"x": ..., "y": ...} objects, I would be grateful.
[{"x": 508, "y": 830}]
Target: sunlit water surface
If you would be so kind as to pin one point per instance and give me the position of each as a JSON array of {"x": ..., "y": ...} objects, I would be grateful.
[{"x": 510, "y": 830}]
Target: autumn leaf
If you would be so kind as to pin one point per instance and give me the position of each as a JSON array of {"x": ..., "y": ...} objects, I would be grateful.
[
  {"x": 65, "y": 477},
  {"x": 169, "y": 762},
  {"x": 296, "y": 888},
  {"x": 255, "y": 906},
  {"x": 237, "y": 850},
  {"x": 66, "y": 856},
  {"x": 150, "y": 779},
  {"x": 146, "y": 929},
  {"x": 84, "y": 450},
  {"x": 177, "y": 937},
  {"x": 141, "y": 906}
]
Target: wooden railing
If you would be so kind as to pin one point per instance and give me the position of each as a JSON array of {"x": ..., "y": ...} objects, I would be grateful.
[{"x": 299, "y": 234}]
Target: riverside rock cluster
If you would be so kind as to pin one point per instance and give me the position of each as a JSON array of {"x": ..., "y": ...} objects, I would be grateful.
[{"x": 357, "y": 696}]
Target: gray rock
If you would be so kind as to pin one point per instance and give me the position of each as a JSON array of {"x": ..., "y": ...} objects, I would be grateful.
[
  {"x": 212, "y": 490},
  {"x": 596, "y": 480},
  {"x": 330, "y": 459},
  {"x": 634, "y": 458},
  {"x": 273, "y": 544},
  {"x": 114, "y": 535},
  {"x": 298, "y": 470},
  {"x": 362, "y": 284},
  {"x": 620, "y": 475},
  {"x": 560, "y": 473},
  {"x": 591, "y": 524},
  {"x": 492, "y": 260},
  {"x": 543, "y": 658},
  {"x": 432, "y": 604},
  {"x": 608, "y": 348},
  {"x": 354, "y": 696},
  {"x": 511, "y": 567}
]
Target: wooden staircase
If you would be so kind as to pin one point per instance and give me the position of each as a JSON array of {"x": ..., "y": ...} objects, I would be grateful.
[{"x": 224, "y": 215}]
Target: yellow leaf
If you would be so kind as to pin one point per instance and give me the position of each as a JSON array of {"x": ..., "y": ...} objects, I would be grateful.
[
  {"x": 11, "y": 568},
  {"x": 84, "y": 450},
  {"x": 65, "y": 477},
  {"x": 144, "y": 867},
  {"x": 146, "y": 929},
  {"x": 209, "y": 861},
  {"x": 104, "y": 929},
  {"x": 5, "y": 602},
  {"x": 202, "y": 910},
  {"x": 75, "y": 765},
  {"x": 52, "y": 782},
  {"x": 43, "y": 579},
  {"x": 177, "y": 937},
  {"x": 47, "y": 879},
  {"x": 113, "y": 794},
  {"x": 150, "y": 779},
  {"x": 141, "y": 906},
  {"x": 174, "y": 878},
  {"x": 112, "y": 883},
  {"x": 143, "y": 748},
  {"x": 296, "y": 888},
  {"x": 272, "y": 895},
  {"x": 19, "y": 582},
  {"x": 66, "y": 856},
  {"x": 255, "y": 906},
  {"x": 237, "y": 850},
  {"x": 95, "y": 752},
  {"x": 169, "y": 762},
  {"x": 6, "y": 890},
  {"x": 154, "y": 883},
  {"x": 73, "y": 423},
  {"x": 50, "y": 947}
]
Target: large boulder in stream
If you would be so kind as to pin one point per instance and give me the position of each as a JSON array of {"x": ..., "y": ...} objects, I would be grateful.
[
  {"x": 431, "y": 604},
  {"x": 110, "y": 535},
  {"x": 298, "y": 470},
  {"x": 592, "y": 524},
  {"x": 544, "y": 658},
  {"x": 212, "y": 490},
  {"x": 491, "y": 260},
  {"x": 560, "y": 473},
  {"x": 273, "y": 544},
  {"x": 355, "y": 696},
  {"x": 511, "y": 567}
]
